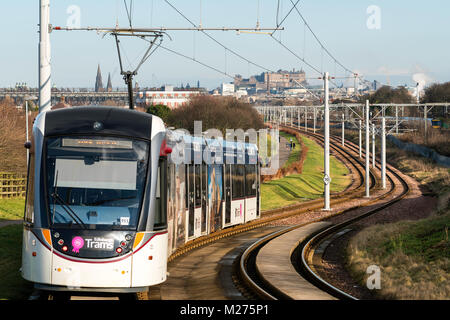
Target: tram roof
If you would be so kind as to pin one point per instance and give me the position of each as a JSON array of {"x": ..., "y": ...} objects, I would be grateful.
[{"x": 113, "y": 120}]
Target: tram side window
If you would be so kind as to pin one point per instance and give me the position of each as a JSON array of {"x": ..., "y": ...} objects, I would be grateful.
[
  {"x": 29, "y": 207},
  {"x": 250, "y": 180},
  {"x": 237, "y": 172},
  {"x": 198, "y": 190},
  {"x": 161, "y": 197}
]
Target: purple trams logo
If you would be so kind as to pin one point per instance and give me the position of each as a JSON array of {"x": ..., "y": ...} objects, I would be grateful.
[{"x": 77, "y": 244}]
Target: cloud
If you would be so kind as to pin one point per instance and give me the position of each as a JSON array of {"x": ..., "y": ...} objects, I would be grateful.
[{"x": 384, "y": 70}]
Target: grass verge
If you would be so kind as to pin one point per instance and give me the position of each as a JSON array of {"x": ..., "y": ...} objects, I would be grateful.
[
  {"x": 12, "y": 209},
  {"x": 413, "y": 256},
  {"x": 305, "y": 186},
  {"x": 12, "y": 285}
]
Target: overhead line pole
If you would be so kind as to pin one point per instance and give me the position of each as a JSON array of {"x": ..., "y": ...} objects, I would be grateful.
[
  {"x": 383, "y": 153},
  {"x": 326, "y": 149},
  {"x": 45, "y": 85},
  {"x": 367, "y": 151},
  {"x": 373, "y": 145},
  {"x": 360, "y": 138}
]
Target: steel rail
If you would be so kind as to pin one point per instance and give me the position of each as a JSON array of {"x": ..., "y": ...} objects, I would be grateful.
[
  {"x": 313, "y": 242},
  {"x": 260, "y": 287}
]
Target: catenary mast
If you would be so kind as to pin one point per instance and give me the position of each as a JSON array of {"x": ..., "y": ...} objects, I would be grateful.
[{"x": 45, "y": 86}]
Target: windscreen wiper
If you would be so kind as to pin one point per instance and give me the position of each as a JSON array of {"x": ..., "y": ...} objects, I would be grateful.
[{"x": 68, "y": 209}]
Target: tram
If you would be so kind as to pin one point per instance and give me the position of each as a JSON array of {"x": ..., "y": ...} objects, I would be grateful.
[
  {"x": 436, "y": 123},
  {"x": 108, "y": 201}
]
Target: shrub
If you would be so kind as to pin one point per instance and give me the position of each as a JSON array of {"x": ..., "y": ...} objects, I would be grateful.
[{"x": 215, "y": 112}]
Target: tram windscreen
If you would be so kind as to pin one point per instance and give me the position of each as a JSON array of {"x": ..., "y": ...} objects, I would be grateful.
[{"x": 95, "y": 182}]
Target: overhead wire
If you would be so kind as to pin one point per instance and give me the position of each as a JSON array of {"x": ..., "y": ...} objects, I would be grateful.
[
  {"x": 215, "y": 40},
  {"x": 317, "y": 38},
  {"x": 129, "y": 12},
  {"x": 279, "y": 23},
  {"x": 197, "y": 61},
  {"x": 322, "y": 46}
]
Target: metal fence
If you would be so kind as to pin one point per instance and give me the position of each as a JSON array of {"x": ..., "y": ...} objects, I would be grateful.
[{"x": 12, "y": 185}]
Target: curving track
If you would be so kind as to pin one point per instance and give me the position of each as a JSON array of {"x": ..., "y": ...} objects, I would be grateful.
[
  {"x": 306, "y": 257},
  {"x": 222, "y": 265},
  {"x": 212, "y": 272}
]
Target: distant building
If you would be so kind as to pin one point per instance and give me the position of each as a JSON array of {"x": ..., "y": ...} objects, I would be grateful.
[
  {"x": 98, "y": 81},
  {"x": 109, "y": 85},
  {"x": 376, "y": 85},
  {"x": 266, "y": 81},
  {"x": 227, "y": 89},
  {"x": 167, "y": 95},
  {"x": 282, "y": 79}
]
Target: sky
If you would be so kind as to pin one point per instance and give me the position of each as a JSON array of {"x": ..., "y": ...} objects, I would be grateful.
[{"x": 393, "y": 41}]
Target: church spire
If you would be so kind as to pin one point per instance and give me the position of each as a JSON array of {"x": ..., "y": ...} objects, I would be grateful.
[
  {"x": 98, "y": 80},
  {"x": 109, "y": 85}
]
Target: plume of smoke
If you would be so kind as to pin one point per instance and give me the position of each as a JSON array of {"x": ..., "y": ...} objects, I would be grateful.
[{"x": 421, "y": 80}]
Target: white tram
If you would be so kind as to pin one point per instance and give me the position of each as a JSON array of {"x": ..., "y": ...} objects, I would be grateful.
[{"x": 107, "y": 202}]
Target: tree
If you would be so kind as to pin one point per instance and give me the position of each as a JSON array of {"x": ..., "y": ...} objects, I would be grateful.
[
  {"x": 437, "y": 93},
  {"x": 388, "y": 94},
  {"x": 160, "y": 110},
  {"x": 12, "y": 138},
  {"x": 216, "y": 112}
]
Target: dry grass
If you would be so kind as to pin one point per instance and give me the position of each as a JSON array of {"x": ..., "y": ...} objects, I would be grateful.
[
  {"x": 414, "y": 258},
  {"x": 434, "y": 177},
  {"x": 436, "y": 139}
]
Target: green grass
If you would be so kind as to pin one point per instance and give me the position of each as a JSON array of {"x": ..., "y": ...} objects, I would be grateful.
[
  {"x": 305, "y": 186},
  {"x": 295, "y": 153},
  {"x": 427, "y": 239},
  {"x": 12, "y": 285},
  {"x": 12, "y": 209},
  {"x": 414, "y": 257}
]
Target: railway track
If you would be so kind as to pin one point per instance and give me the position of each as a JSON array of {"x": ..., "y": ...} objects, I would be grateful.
[
  {"x": 248, "y": 285},
  {"x": 248, "y": 290},
  {"x": 355, "y": 190},
  {"x": 306, "y": 257}
]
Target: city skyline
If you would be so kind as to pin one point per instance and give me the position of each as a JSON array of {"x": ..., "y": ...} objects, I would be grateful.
[{"x": 388, "y": 54}]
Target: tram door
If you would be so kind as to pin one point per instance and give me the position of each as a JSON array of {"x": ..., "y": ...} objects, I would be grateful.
[
  {"x": 191, "y": 199},
  {"x": 204, "y": 219},
  {"x": 227, "y": 185},
  {"x": 198, "y": 200}
]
